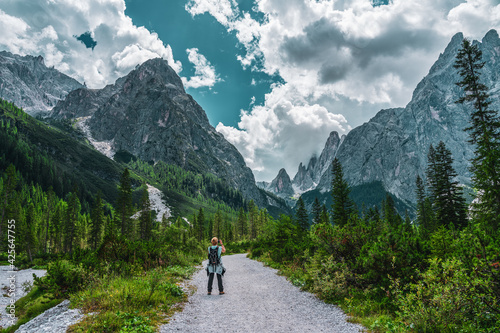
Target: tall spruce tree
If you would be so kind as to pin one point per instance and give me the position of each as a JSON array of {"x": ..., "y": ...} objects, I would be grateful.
[
  {"x": 97, "y": 221},
  {"x": 316, "y": 211},
  {"x": 342, "y": 206},
  {"x": 484, "y": 133},
  {"x": 301, "y": 215},
  {"x": 424, "y": 207},
  {"x": 446, "y": 194},
  {"x": 201, "y": 224},
  {"x": 145, "y": 221},
  {"x": 124, "y": 202},
  {"x": 72, "y": 210},
  {"x": 242, "y": 223}
]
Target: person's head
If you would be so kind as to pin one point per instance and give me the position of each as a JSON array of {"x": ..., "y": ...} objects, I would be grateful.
[{"x": 214, "y": 241}]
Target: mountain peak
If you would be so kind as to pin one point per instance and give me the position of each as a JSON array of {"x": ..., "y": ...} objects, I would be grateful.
[
  {"x": 158, "y": 69},
  {"x": 491, "y": 37}
]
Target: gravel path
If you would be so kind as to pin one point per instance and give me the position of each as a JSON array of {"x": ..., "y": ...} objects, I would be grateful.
[
  {"x": 20, "y": 277},
  {"x": 256, "y": 300}
]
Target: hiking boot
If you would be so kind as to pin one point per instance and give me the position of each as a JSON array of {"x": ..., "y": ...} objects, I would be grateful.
[
  {"x": 209, "y": 293},
  {"x": 221, "y": 293}
]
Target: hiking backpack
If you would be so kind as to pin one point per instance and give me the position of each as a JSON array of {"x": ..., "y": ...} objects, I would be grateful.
[{"x": 213, "y": 256}]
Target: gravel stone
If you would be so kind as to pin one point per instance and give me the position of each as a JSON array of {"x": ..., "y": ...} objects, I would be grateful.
[
  {"x": 21, "y": 277},
  {"x": 256, "y": 299}
]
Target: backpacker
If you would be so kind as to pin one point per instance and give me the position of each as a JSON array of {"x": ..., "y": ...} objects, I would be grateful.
[{"x": 213, "y": 256}]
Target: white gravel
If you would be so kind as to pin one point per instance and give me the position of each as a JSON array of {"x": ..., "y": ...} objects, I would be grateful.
[
  {"x": 20, "y": 277},
  {"x": 256, "y": 300}
]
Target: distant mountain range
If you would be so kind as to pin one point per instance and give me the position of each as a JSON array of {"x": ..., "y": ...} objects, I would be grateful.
[
  {"x": 392, "y": 147},
  {"x": 146, "y": 114},
  {"x": 29, "y": 84}
]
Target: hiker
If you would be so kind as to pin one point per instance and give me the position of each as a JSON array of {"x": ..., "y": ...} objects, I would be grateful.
[{"x": 215, "y": 265}]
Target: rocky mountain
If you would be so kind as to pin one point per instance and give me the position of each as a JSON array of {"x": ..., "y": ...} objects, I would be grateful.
[
  {"x": 149, "y": 115},
  {"x": 281, "y": 186},
  {"x": 308, "y": 178},
  {"x": 31, "y": 85},
  {"x": 392, "y": 146}
]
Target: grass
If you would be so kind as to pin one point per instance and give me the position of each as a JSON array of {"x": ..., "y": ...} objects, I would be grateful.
[{"x": 131, "y": 304}]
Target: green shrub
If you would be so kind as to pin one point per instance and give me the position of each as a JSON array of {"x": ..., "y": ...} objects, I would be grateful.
[
  {"x": 63, "y": 276},
  {"x": 447, "y": 299}
]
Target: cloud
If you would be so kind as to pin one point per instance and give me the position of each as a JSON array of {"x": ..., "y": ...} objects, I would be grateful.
[
  {"x": 204, "y": 72},
  {"x": 282, "y": 131},
  {"x": 48, "y": 28},
  {"x": 362, "y": 53}
]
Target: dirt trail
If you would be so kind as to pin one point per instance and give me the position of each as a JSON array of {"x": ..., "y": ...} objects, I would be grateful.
[{"x": 256, "y": 300}]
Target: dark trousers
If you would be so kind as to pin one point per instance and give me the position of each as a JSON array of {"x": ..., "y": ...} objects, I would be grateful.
[{"x": 211, "y": 282}]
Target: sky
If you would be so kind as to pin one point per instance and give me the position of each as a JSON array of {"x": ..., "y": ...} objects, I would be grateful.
[{"x": 275, "y": 77}]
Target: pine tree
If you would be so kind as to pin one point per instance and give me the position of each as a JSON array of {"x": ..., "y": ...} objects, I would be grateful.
[
  {"x": 424, "y": 207},
  {"x": 146, "y": 223},
  {"x": 389, "y": 210},
  {"x": 28, "y": 232},
  {"x": 484, "y": 133},
  {"x": 301, "y": 215},
  {"x": 97, "y": 222},
  {"x": 324, "y": 218},
  {"x": 72, "y": 211},
  {"x": 252, "y": 217},
  {"x": 201, "y": 225},
  {"x": 50, "y": 205},
  {"x": 8, "y": 195},
  {"x": 217, "y": 226},
  {"x": 242, "y": 223},
  {"x": 342, "y": 206},
  {"x": 446, "y": 195},
  {"x": 316, "y": 211},
  {"x": 124, "y": 203}
]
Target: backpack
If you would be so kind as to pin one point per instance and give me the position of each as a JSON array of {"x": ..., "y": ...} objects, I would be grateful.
[{"x": 213, "y": 256}]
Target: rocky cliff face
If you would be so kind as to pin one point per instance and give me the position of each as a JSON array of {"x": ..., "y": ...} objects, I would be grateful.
[
  {"x": 392, "y": 147},
  {"x": 308, "y": 178},
  {"x": 29, "y": 84},
  {"x": 148, "y": 114}
]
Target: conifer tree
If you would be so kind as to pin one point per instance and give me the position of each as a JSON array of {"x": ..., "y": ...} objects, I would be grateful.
[
  {"x": 124, "y": 202},
  {"x": 389, "y": 210},
  {"x": 301, "y": 215},
  {"x": 28, "y": 232},
  {"x": 201, "y": 224},
  {"x": 446, "y": 195},
  {"x": 8, "y": 195},
  {"x": 316, "y": 211},
  {"x": 424, "y": 207},
  {"x": 484, "y": 133},
  {"x": 342, "y": 206},
  {"x": 97, "y": 222},
  {"x": 324, "y": 218},
  {"x": 242, "y": 223},
  {"x": 50, "y": 205},
  {"x": 217, "y": 226},
  {"x": 252, "y": 217},
  {"x": 72, "y": 210},
  {"x": 146, "y": 223}
]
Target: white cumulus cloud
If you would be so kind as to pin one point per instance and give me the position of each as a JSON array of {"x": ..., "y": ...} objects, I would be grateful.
[
  {"x": 330, "y": 54},
  {"x": 204, "y": 72},
  {"x": 48, "y": 28}
]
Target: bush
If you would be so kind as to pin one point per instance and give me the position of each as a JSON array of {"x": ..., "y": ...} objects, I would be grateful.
[
  {"x": 62, "y": 277},
  {"x": 447, "y": 299}
]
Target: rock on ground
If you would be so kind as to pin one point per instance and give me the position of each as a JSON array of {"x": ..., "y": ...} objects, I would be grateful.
[
  {"x": 21, "y": 277},
  {"x": 256, "y": 300},
  {"x": 54, "y": 320}
]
